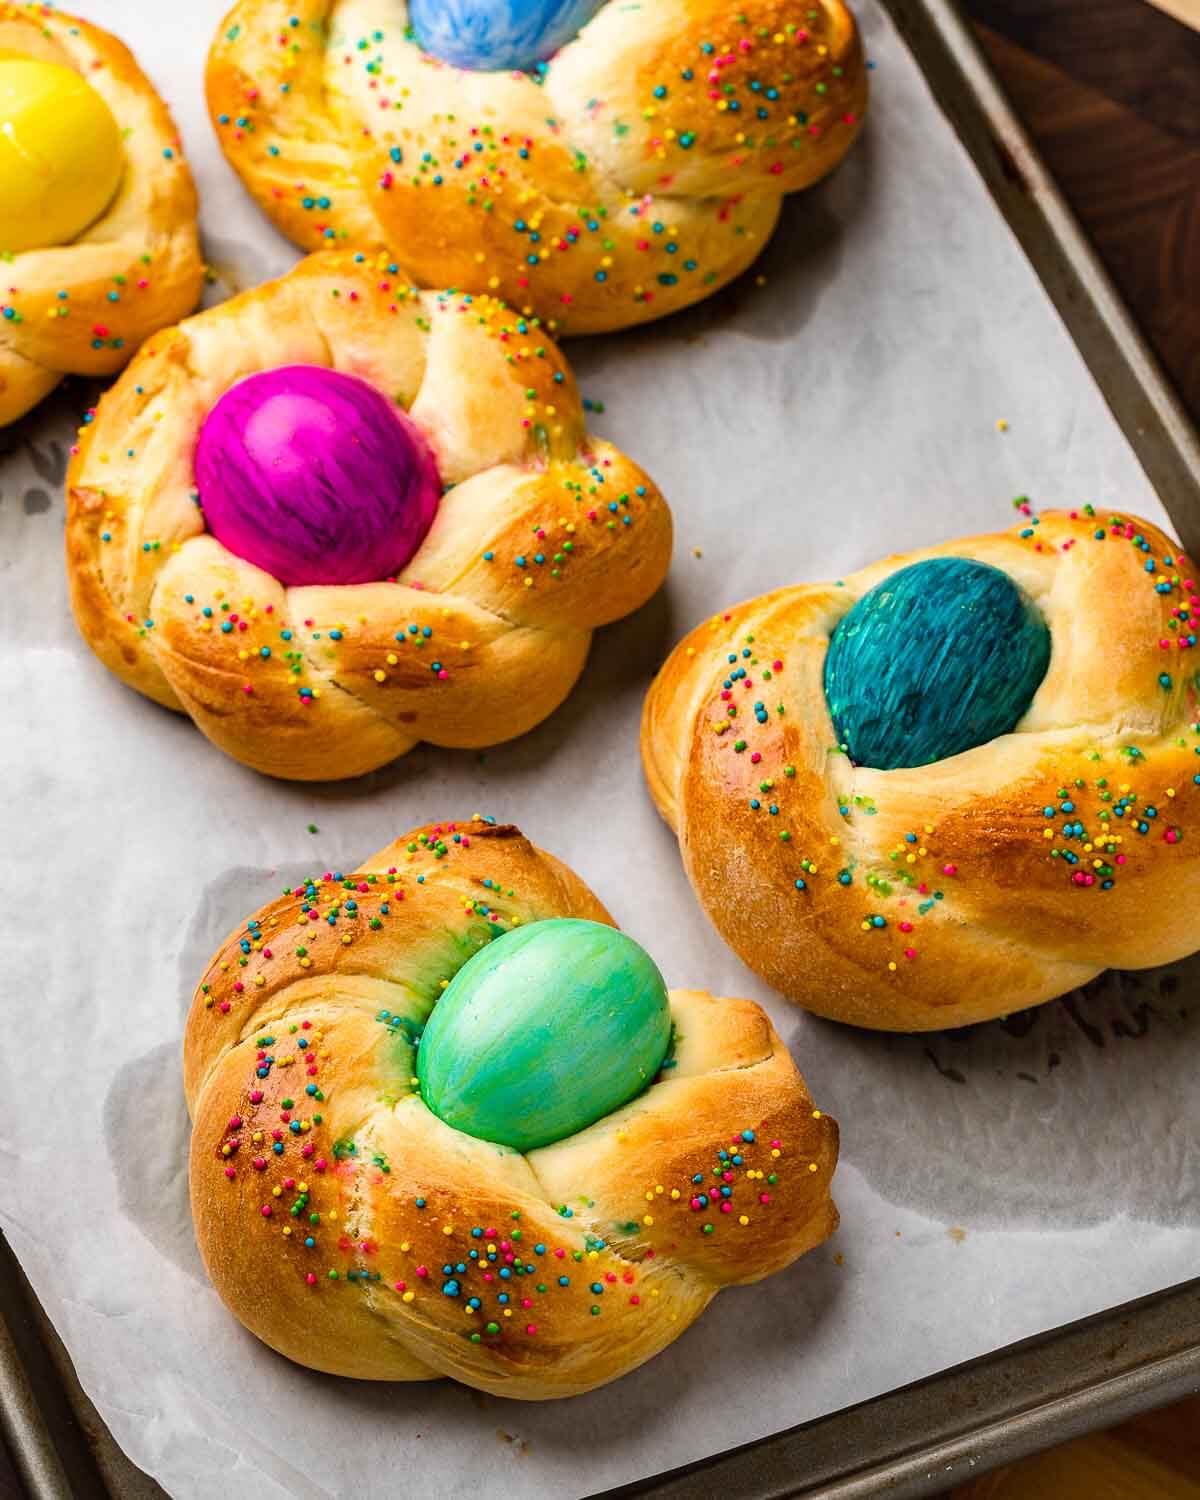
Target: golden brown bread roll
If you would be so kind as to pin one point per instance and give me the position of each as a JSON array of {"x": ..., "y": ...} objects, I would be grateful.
[
  {"x": 636, "y": 172},
  {"x": 543, "y": 532},
  {"x": 1055, "y": 839},
  {"x": 98, "y": 266},
  {"x": 354, "y": 1231}
]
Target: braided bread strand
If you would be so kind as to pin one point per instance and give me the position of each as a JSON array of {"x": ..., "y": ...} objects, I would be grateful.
[
  {"x": 995, "y": 879},
  {"x": 84, "y": 308},
  {"x": 546, "y": 534},
  {"x": 641, "y": 172},
  {"x": 353, "y": 1231}
]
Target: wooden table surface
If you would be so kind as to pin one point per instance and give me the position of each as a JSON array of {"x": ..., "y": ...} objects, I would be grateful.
[{"x": 1110, "y": 92}]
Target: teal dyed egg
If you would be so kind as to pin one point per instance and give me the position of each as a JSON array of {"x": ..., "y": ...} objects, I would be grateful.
[
  {"x": 942, "y": 656},
  {"x": 546, "y": 1030}
]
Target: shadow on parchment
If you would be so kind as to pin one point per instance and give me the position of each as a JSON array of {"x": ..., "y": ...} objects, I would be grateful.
[
  {"x": 623, "y": 659},
  {"x": 146, "y": 1127},
  {"x": 787, "y": 1309},
  {"x": 802, "y": 258},
  {"x": 1053, "y": 1118},
  {"x": 150, "y": 1167},
  {"x": 44, "y": 435}
]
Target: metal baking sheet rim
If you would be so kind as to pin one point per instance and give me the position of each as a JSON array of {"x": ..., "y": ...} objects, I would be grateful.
[
  {"x": 971, "y": 1417},
  {"x": 912, "y": 1441}
]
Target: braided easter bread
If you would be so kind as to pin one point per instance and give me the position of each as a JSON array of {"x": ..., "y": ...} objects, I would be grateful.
[
  {"x": 1023, "y": 811},
  {"x": 543, "y": 533},
  {"x": 84, "y": 305},
  {"x": 636, "y": 172},
  {"x": 352, "y": 1229}
]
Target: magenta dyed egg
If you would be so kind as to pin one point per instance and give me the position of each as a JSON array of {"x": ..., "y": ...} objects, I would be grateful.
[{"x": 315, "y": 477}]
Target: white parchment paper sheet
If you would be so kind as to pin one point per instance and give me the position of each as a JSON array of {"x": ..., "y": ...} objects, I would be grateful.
[{"x": 993, "y": 1184}]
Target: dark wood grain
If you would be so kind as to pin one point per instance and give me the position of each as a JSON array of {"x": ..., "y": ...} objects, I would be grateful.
[
  {"x": 10, "y": 1485},
  {"x": 1110, "y": 92},
  {"x": 1132, "y": 54}
]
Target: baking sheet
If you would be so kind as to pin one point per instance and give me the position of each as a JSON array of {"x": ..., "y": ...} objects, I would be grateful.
[{"x": 994, "y": 1183}]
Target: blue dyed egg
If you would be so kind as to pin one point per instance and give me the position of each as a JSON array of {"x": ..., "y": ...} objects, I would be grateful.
[
  {"x": 942, "y": 656},
  {"x": 497, "y": 35},
  {"x": 546, "y": 1030}
]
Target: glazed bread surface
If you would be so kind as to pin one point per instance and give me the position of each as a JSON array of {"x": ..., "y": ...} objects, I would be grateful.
[
  {"x": 355, "y": 1232},
  {"x": 1001, "y": 876},
  {"x": 83, "y": 308},
  {"x": 544, "y": 532},
  {"x": 640, "y": 170}
]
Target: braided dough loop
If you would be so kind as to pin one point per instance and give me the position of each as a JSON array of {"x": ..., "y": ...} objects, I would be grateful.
[
  {"x": 143, "y": 250},
  {"x": 984, "y": 910},
  {"x": 298, "y": 1071},
  {"x": 317, "y": 682},
  {"x": 644, "y": 172}
]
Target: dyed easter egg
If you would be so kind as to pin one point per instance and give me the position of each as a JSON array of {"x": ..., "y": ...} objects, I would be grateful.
[
  {"x": 60, "y": 154},
  {"x": 497, "y": 35},
  {"x": 944, "y": 655},
  {"x": 546, "y": 1030},
  {"x": 315, "y": 477}
]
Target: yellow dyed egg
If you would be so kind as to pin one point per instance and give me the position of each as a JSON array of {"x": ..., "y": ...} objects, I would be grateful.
[{"x": 60, "y": 154}]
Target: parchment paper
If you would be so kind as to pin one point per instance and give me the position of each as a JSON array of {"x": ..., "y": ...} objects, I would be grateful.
[{"x": 993, "y": 1183}]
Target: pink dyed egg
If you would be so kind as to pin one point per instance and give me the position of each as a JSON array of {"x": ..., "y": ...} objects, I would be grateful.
[{"x": 315, "y": 477}]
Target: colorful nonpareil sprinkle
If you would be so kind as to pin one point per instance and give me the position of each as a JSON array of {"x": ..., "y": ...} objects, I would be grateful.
[
  {"x": 761, "y": 108},
  {"x": 1091, "y": 828},
  {"x": 414, "y": 646},
  {"x": 317, "y": 1202}
]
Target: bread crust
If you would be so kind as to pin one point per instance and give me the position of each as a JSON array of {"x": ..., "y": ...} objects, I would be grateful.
[
  {"x": 546, "y": 534},
  {"x": 984, "y": 910},
  {"x": 85, "y": 307},
  {"x": 642, "y": 172},
  {"x": 298, "y": 1071}
]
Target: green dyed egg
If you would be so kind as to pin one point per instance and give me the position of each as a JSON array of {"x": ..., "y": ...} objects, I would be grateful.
[
  {"x": 942, "y": 656},
  {"x": 546, "y": 1030}
]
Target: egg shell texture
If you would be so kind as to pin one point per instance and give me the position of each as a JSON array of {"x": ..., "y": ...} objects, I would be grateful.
[
  {"x": 940, "y": 657},
  {"x": 543, "y": 1032}
]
